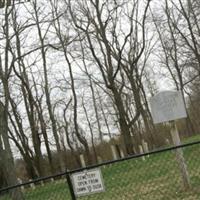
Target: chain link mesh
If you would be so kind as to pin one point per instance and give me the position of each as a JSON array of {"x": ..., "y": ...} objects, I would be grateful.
[{"x": 153, "y": 177}]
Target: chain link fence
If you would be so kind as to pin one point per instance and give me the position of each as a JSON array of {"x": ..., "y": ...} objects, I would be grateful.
[{"x": 155, "y": 175}]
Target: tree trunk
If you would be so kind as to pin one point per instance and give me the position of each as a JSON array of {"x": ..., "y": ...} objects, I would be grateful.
[
  {"x": 8, "y": 163},
  {"x": 124, "y": 127}
]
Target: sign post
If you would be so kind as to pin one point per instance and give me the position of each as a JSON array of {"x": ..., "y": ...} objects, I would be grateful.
[
  {"x": 179, "y": 155},
  {"x": 169, "y": 106}
]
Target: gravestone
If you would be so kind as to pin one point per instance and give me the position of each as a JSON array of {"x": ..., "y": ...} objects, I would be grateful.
[
  {"x": 52, "y": 180},
  {"x": 114, "y": 153},
  {"x": 141, "y": 152},
  {"x": 32, "y": 185},
  {"x": 20, "y": 182},
  {"x": 99, "y": 159},
  {"x": 121, "y": 152},
  {"x": 82, "y": 160},
  {"x": 145, "y": 147}
]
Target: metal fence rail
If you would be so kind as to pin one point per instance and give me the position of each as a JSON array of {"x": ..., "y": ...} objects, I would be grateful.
[{"x": 150, "y": 176}]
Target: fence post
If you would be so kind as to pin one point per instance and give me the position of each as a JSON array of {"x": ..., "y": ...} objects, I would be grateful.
[{"x": 71, "y": 189}]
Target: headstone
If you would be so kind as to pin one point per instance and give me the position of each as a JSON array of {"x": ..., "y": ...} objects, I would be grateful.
[
  {"x": 114, "y": 153},
  {"x": 99, "y": 159},
  {"x": 32, "y": 185},
  {"x": 42, "y": 183},
  {"x": 52, "y": 180},
  {"x": 167, "y": 141},
  {"x": 143, "y": 143},
  {"x": 2, "y": 142},
  {"x": 141, "y": 152},
  {"x": 117, "y": 148},
  {"x": 20, "y": 182},
  {"x": 121, "y": 152},
  {"x": 134, "y": 150},
  {"x": 145, "y": 147},
  {"x": 82, "y": 160}
]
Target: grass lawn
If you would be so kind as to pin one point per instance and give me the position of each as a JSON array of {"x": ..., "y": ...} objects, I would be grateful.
[{"x": 156, "y": 178}]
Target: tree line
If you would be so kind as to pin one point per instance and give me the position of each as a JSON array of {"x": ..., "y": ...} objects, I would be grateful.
[{"x": 74, "y": 74}]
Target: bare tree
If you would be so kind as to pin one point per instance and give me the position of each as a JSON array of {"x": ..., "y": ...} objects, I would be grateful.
[
  {"x": 42, "y": 37},
  {"x": 108, "y": 49},
  {"x": 175, "y": 58},
  {"x": 6, "y": 65},
  {"x": 64, "y": 43}
]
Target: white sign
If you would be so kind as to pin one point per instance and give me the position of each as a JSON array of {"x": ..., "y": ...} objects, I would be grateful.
[
  {"x": 167, "y": 106},
  {"x": 87, "y": 182}
]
